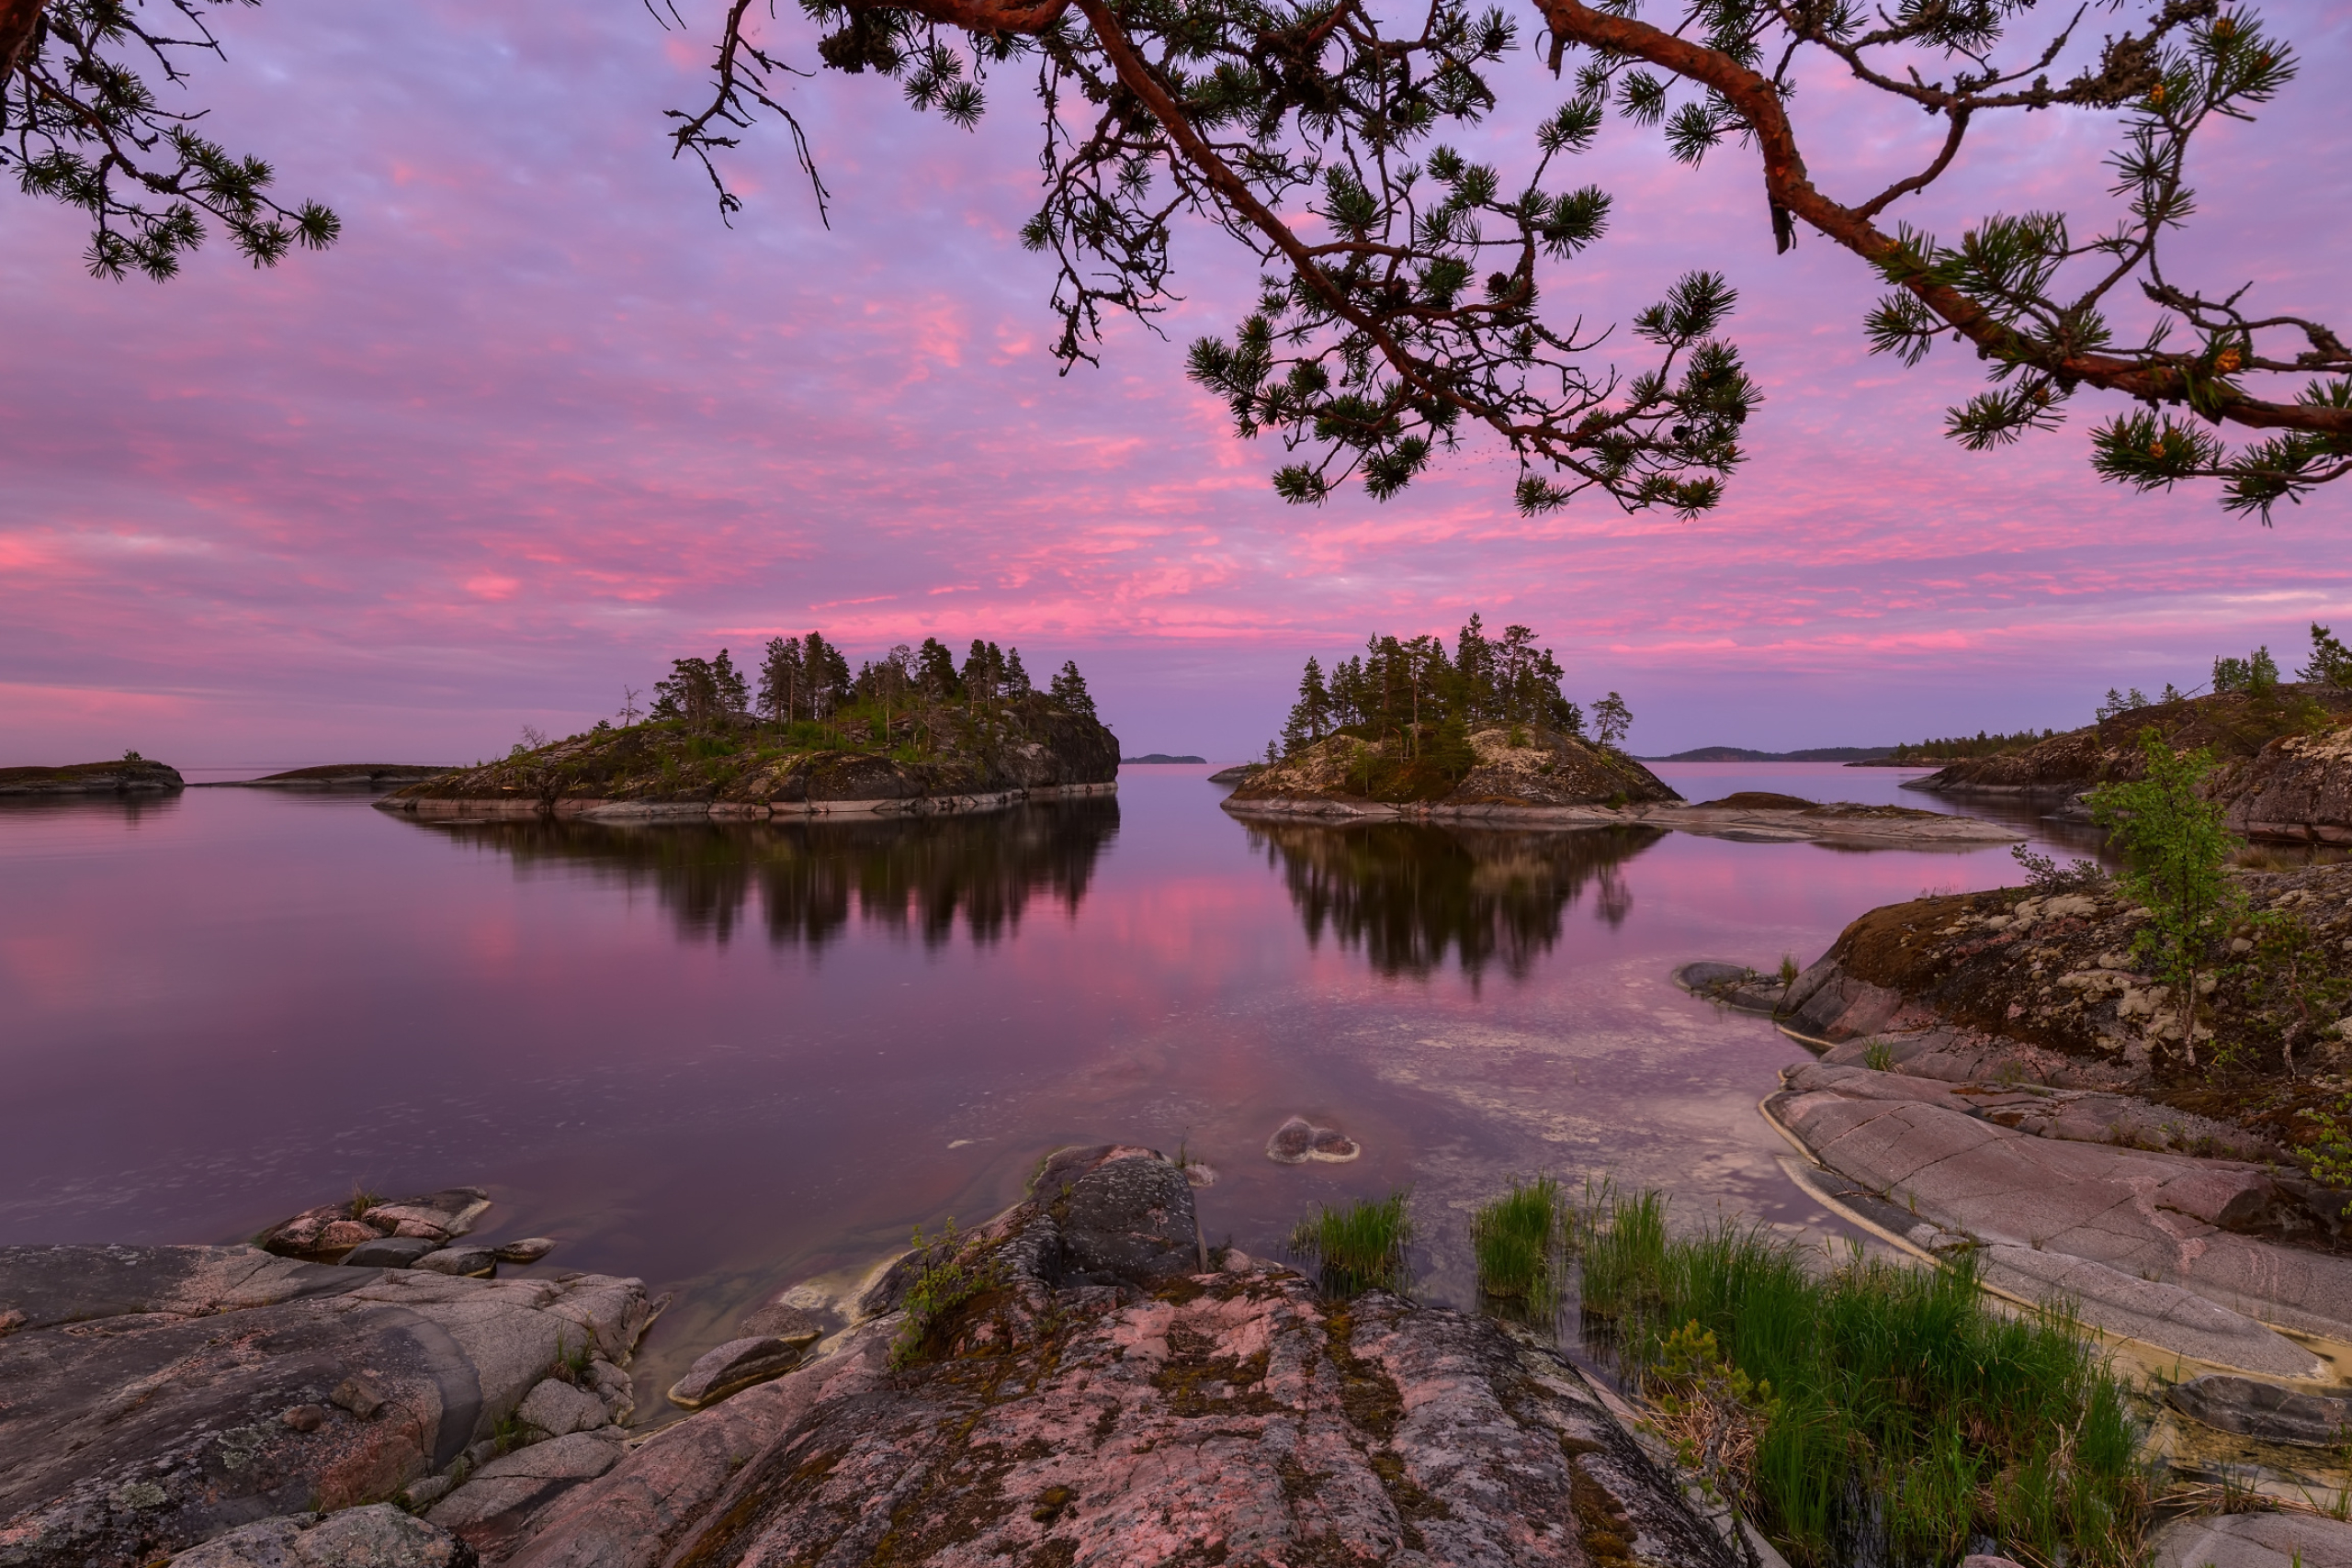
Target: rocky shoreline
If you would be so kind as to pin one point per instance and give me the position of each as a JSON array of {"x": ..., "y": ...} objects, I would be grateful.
[
  {"x": 1775, "y": 820},
  {"x": 2284, "y": 772},
  {"x": 575, "y": 808},
  {"x": 1098, "y": 1386}
]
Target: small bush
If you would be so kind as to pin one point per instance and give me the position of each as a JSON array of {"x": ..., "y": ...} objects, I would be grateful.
[
  {"x": 1879, "y": 1056},
  {"x": 1360, "y": 1247},
  {"x": 2046, "y": 877},
  {"x": 954, "y": 1271},
  {"x": 1517, "y": 1241}
]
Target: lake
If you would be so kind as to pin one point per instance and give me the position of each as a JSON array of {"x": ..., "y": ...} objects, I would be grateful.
[{"x": 732, "y": 1059}]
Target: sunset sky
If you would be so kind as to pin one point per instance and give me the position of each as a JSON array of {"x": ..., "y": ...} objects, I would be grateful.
[{"x": 540, "y": 423}]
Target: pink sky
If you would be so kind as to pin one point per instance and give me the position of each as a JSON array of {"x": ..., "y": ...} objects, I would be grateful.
[{"x": 540, "y": 423}]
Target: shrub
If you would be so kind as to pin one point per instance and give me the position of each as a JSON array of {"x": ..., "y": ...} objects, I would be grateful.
[
  {"x": 1360, "y": 1247},
  {"x": 955, "y": 1270},
  {"x": 2174, "y": 842}
]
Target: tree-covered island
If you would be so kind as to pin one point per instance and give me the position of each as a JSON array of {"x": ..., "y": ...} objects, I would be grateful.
[{"x": 910, "y": 731}]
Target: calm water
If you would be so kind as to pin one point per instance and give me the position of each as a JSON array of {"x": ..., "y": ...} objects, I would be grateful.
[{"x": 728, "y": 1060}]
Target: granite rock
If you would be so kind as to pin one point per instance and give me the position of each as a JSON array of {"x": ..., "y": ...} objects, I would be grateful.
[
  {"x": 734, "y": 1366},
  {"x": 378, "y": 1536}
]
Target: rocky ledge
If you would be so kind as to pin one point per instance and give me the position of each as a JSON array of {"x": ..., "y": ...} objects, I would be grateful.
[
  {"x": 158, "y": 1397},
  {"x": 130, "y": 775},
  {"x": 1027, "y": 748},
  {"x": 2285, "y": 771},
  {"x": 1550, "y": 780}
]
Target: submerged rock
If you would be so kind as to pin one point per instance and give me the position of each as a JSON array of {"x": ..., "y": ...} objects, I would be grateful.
[
  {"x": 389, "y": 1252},
  {"x": 529, "y": 1249},
  {"x": 1297, "y": 1141},
  {"x": 2266, "y": 1411},
  {"x": 1095, "y": 1404},
  {"x": 781, "y": 1320}
]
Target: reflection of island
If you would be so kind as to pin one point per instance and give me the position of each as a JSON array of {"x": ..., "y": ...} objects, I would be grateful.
[
  {"x": 920, "y": 873},
  {"x": 1407, "y": 892}
]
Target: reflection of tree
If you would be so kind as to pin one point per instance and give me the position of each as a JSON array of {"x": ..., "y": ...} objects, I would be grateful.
[
  {"x": 916, "y": 874},
  {"x": 1407, "y": 893}
]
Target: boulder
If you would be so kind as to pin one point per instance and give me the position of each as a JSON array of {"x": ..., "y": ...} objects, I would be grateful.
[
  {"x": 148, "y": 1387},
  {"x": 1297, "y": 1141},
  {"x": 474, "y": 1262},
  {"x": 530, "y": 1249},
  {"x": 778, "y": 1320},
  {"x": 734, "y": 1366},
  {"x": 1122, "y": 1212},
  {"x": 559, "y": 1409},
  {"x": 2254, "y": 1541},
  {"x": 389, "y": 1252},
  {"x": 2266, "y": 1411},
  {"x": 378, "y": 1536}
]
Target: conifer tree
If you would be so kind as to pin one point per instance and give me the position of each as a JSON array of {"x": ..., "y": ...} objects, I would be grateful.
[
  {"x": 1016, "y": 678},
  {"x": 1069, "y": 690},
  {"x": 727, "y": 688},
  {"x": 782, "y": 681},
  {"x": 1611, "y": 719}
]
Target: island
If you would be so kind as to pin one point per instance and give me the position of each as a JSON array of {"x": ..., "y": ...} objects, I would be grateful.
[
  {"x": 863, "y": 759},
  {"x": 1154, "y": 757},
  {"x": 129, "y": 774}
]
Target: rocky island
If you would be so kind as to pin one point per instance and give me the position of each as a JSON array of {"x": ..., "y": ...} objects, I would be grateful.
[
  {"x": 910, "y": 736},
  {"x": 131, "y": 774}
]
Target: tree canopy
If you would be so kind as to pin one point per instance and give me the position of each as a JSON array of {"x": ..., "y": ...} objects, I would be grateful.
[{"x": 1411, "y": 295}]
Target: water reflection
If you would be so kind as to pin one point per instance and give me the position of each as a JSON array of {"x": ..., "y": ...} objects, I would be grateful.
[
  {"x": 1407, "y": 893},
  {"x": 907, "y": 876}
]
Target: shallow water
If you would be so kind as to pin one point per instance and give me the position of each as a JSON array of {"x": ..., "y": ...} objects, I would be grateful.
[{"x": 728, "y": 1059}]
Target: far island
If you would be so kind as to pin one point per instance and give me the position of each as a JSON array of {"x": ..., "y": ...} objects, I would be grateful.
[
  {"x": 129, "y": 774},
  {"x": 1151, "y": 757}
]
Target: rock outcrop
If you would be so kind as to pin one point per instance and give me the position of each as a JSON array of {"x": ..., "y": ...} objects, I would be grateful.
[
  {"x": 157, "y": 1397},
  {"x": 1030, "y": 746},
  {"x": 1528, "y": 768},
  {"x": 130, "y": 775},
  {"x": 340, "y": 775},
  {"x": 1105, "y": 1399}
]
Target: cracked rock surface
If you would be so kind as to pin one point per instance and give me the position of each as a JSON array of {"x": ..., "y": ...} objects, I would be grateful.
[{"x": 145, "y": 1391}]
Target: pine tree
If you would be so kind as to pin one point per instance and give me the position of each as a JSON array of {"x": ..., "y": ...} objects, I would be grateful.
[
  {"x": 935, "y": 671},
  {"x": 2331, "y": 662},
  {"x": 1016, "y": 678},
  {"x": 783, "y": 678},
  {"x": 1612, "y": 719},
  {"x": 727, "y": 687},
  {"x": 1069, "y": 690}
]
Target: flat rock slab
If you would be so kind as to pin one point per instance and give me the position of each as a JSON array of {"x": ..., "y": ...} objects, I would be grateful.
[
  {"x": 2147, "y": 1310},
  {"x": 2254, "y": 1541},
  {"x": 1142, "y": 1417},
  {"x": 498, "y": 1497},
  {"x": 2146, "y": 1215},
  {"x": 378, "y": 1536},
  {"x": 148, "y": 1387}
]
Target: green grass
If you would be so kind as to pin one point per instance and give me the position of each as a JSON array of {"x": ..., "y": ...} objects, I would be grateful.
[
  {"x": 1360, "y": 1247},
  {"x": 1516, "y": 1240},
  {"x": 1907, "y": 1413}
]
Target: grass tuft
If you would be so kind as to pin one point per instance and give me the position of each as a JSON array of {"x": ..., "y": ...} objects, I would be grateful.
[
  {"x": 1516, "y": 1239},
  {"x": 1906, "y": 1416},
  {"x": 1360, "y": 1247}
]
